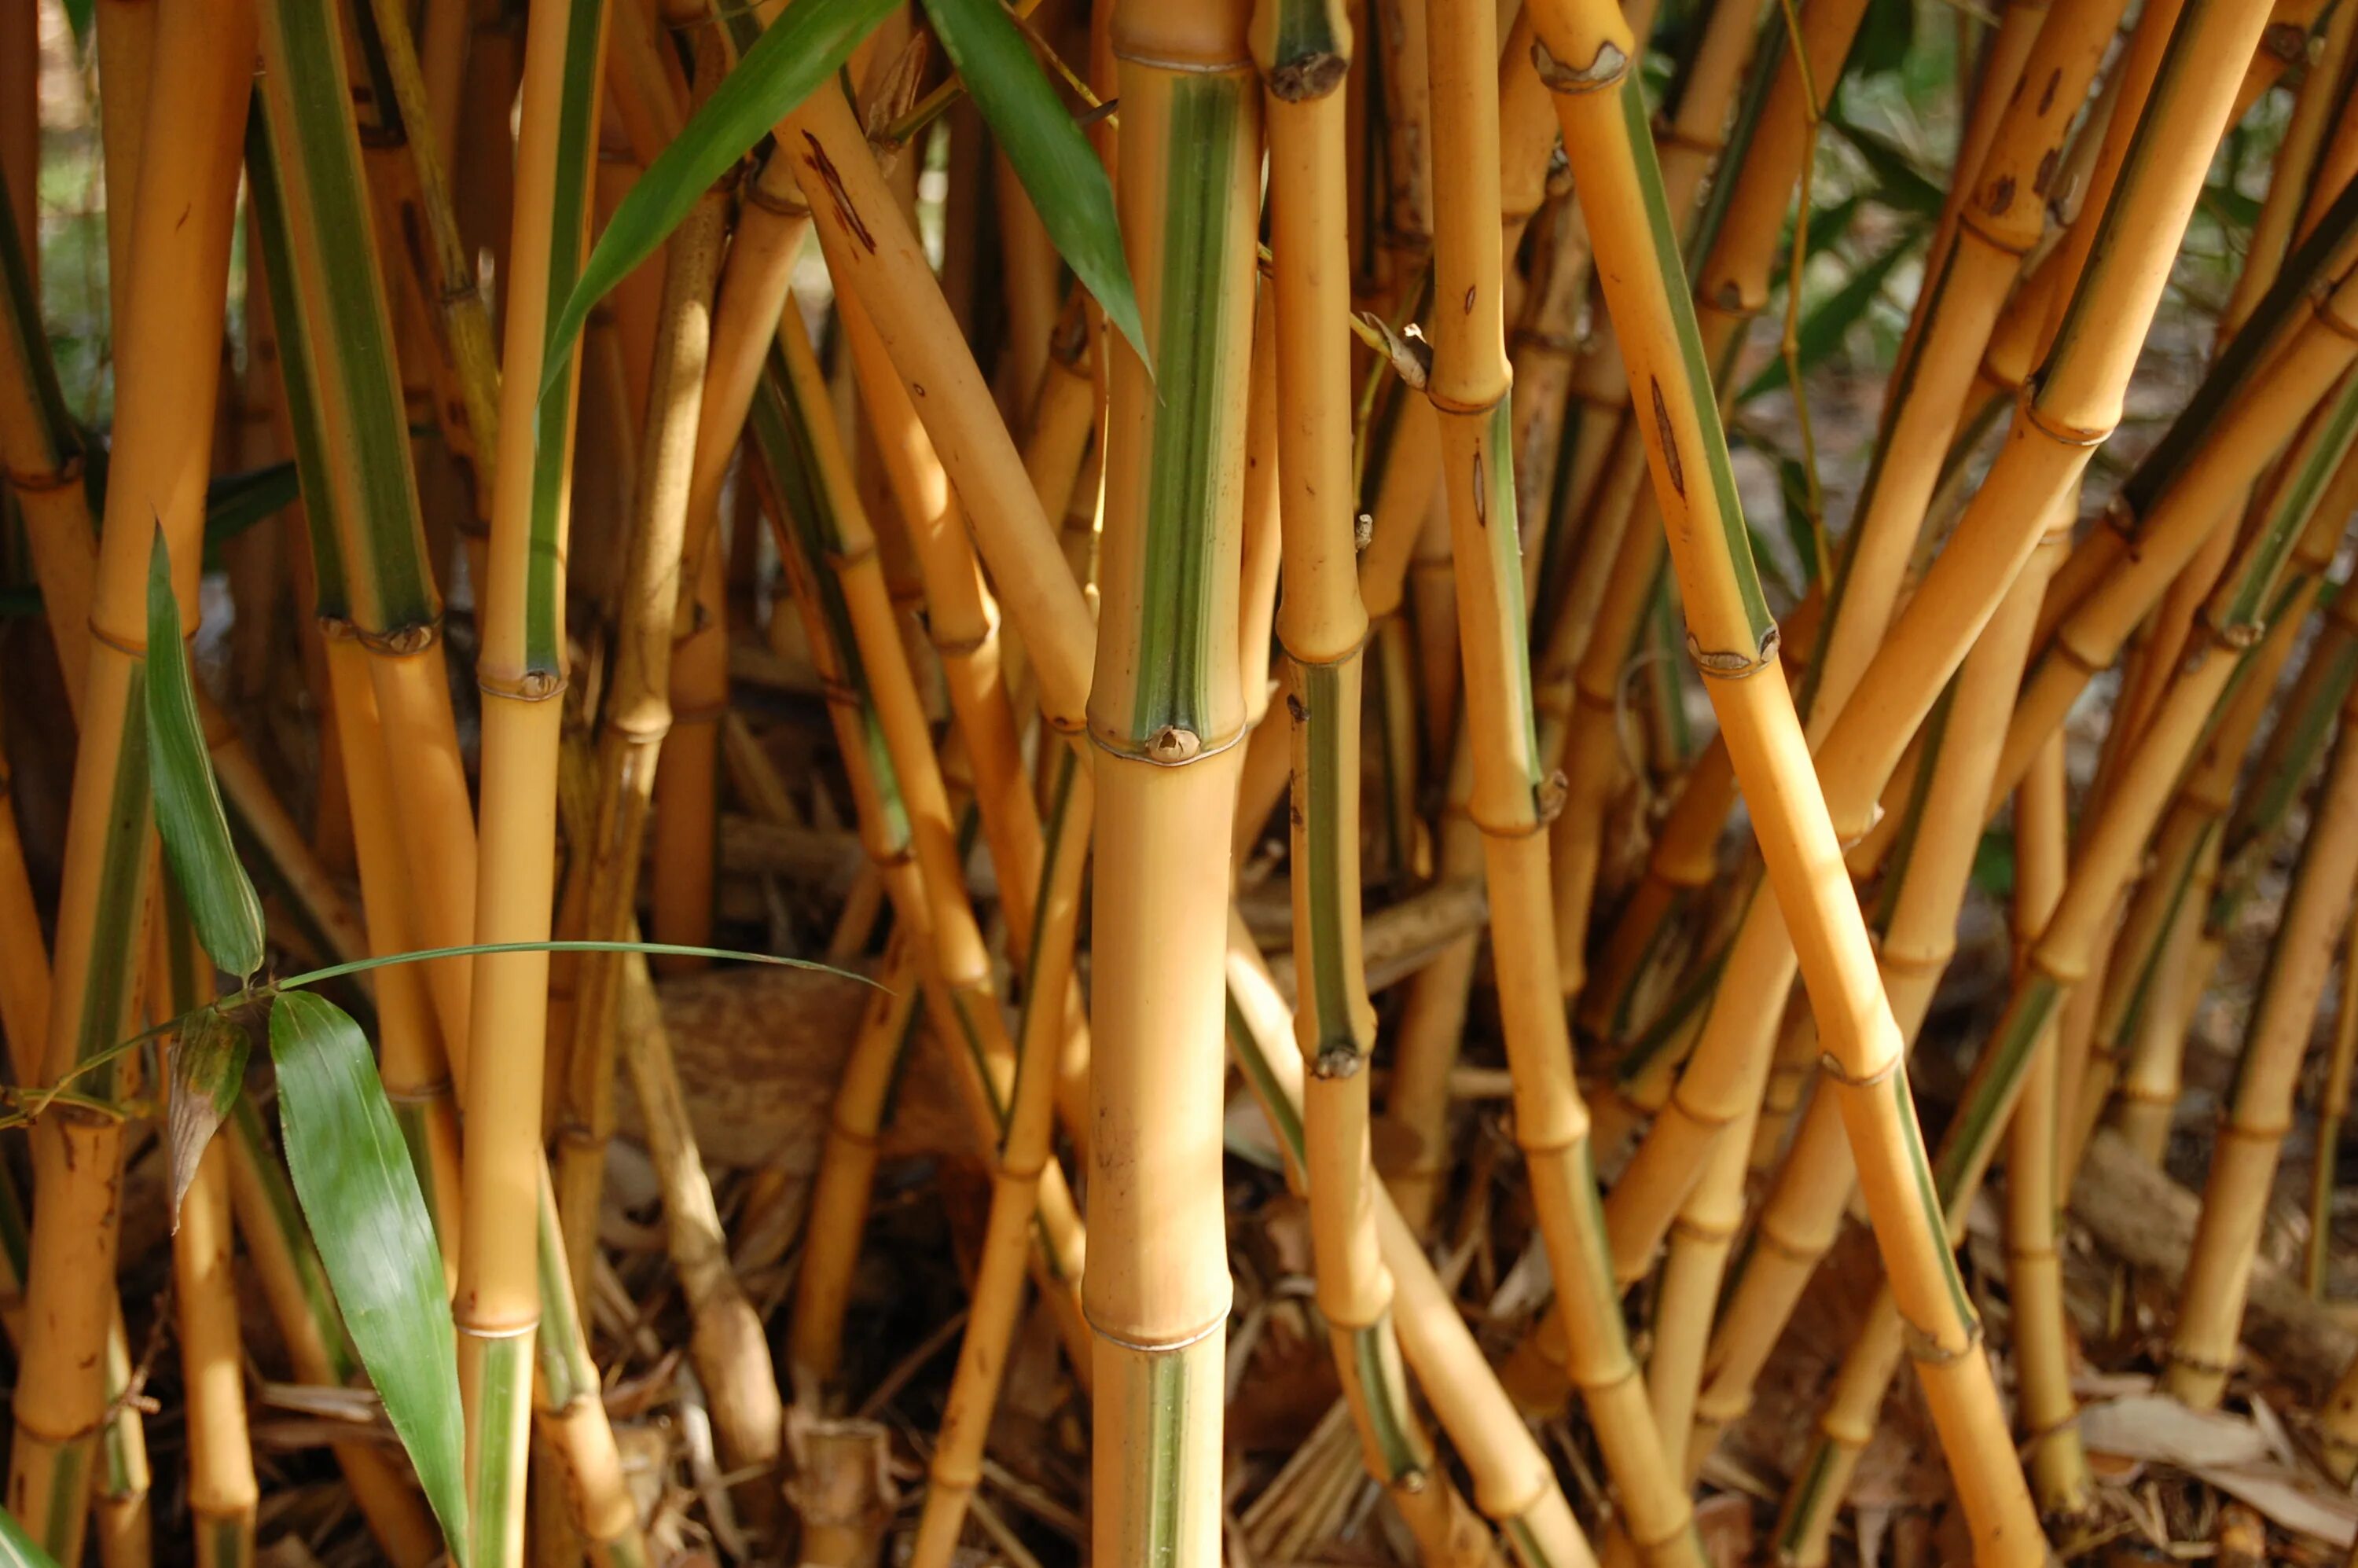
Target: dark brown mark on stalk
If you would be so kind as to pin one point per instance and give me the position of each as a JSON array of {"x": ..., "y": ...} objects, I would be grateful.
[
  {"x": 2046, "y": 175},
  {"x": 2047, "y": 98},
  {"x": 2000, "y": 197},
  {"x": 1670, "y": 438},
  {"x": 824, "y": 167},
  {"x": 1469, "y": 300}
]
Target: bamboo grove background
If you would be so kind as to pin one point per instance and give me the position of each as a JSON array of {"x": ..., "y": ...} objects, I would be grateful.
[{"x": 1178, "y": 781}]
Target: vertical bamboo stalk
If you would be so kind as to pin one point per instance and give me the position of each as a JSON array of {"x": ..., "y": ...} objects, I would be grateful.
[
  {"x": 522, "y": 671},
  {"x": 1166, "y": 715},
  {"x": 2034, "y": 1267},
  {"x": 170, "y": 340}
]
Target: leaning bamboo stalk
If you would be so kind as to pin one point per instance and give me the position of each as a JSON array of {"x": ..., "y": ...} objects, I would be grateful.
[
  {"x": 1467, "y": 385},
  {"x": 41, "y": 452},
  {"x": 170, "y": 338},
  {"x": 1165, "y": 718},
  {"x": 2034, "y": 1266},
  {"x": 905, "y": 819},
  {"x": 1802, "y": 1213},
  {"x": 630, "y": 732},
  {"x": 2074, "y": 399},
  {"x": 2260, "y": 1108},
  {"x": 1513, "y": 1484},
  {"x": 872, "y": 249},
  {"x": 2112, "y": 851},
  {"x": 2332, "y": 1109},
  {"x": 394, "y": 605},
  {"x": 1304, "y": 52},
  {"x": 955, "y": 1469},
  {"x": 1587, "y": 52},
  {"x": 522, "y": 671}
]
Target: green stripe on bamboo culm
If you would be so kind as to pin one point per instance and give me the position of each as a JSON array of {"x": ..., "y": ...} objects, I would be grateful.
[
  {"x": 1165, "y": 1463},
  {"x": 1375, "y": 1362},
  {"x": 118, "y": 924},
  {"x": 1180, "y": 651},
  {"x": 298, "y": 373},
  {"x": 1805, "y": 1501},
  {"x": 2179, "y": 885},
  {"x": 1327, "y": 695},
  {"x": 1972, "y": 1137},
  {"x": 1284, "y": 1115},
  {"x": 310, "y": 108},
  {"x": 1663, "y": 1033},
  {"x": 1930, "y": 1197},
  {"x": 225, "y": 1543},
  {"x": 779, "y": 436},
  {"x": 568, "y": 230},
  {"x": 495, "y": 1481},
  {"x": 2257, "y": 816},
  {"x": 1525, "y": 1543},
  {"x": 2238, "y": 612},
  {"x": 1700, "y": 389},
  {"x": 1494, "y": 505},
  {"x": 69, "y": 1481},
  {"x": 16, "y": 1231},
  {"x": 1912, "y": 821},
  {"x": 30, "y": 345}
]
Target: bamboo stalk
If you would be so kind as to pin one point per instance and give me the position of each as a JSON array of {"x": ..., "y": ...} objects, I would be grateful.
[
  {"x": 1164, "y": 716},
  {"x": 170, "y": 338},
  {"x": 2034, "y": 1268},
  {"x": 955, "y": 1469},
  {"x": 2259, "y": 1110},
  {"x": 522, "y": 671}
]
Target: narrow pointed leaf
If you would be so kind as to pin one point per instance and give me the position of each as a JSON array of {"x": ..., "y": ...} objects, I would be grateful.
[
  {"x": 798, "y": 52},
  {"x": 208, "y": 1064},
  {"x": 361, "y": 1197},
  {"x": 18, "y": 1550},
  {"x": 221, "y": 900},
  {"x": 1059, "y": 170}
]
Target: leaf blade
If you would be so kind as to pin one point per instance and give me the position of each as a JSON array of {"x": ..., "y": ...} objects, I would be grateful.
[
  {"x": 208, "y": 1068},
  {"x": 1059, "y": 170},
  {"x": 794, "y": 57},
  {"x": 221, "y": 900},
  {"x": 361, "y": 1197}
]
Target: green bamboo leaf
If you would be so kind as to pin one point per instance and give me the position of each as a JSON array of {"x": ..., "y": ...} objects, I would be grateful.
[
  {"x": 18, "y": 1550},
  {"x": 792, "y": 59},
  {"x": 1899, "y": 182},
  {"x": 208, "y": 1064},
  {"x": 221, "y": 900},
  {"x": 1059, "y": 170},
  {"x": 361, "y": 1197}
]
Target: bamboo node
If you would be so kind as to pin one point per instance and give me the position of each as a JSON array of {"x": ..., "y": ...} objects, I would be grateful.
[
  {"x": 399, "y": 641},
  {"x": 2335, "y": 322},
  {"x": 532, "y": 685},
  {"x": 120, "y": 644},
  {"x": 25, "y": 482},
  {"x": 1337, "y": 1061},
  {"x": 1732, "y": 665},
  {"x": 1410, "y": 355},
  {"x": 1832, "y": 1066},
  {"x": 1549, "y": 797},
  {"x": 1610, "y": 65},
  {"x": 1172, "y": 745},
  {"x": 1924, "y": 1346},
  {"x": 2051, "y": 427},
  {"x": 1307, "y": 77},
  {"x": 2193, "y": 1363}
]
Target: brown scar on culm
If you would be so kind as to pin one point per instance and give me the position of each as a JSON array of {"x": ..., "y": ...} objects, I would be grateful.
[
  {"x": 824, "y": 167},
  {"x": 1670, "y": 438}
]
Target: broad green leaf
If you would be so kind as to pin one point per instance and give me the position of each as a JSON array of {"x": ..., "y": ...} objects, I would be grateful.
[
  {"x": 798, "y": 52},
  {"x": 361, "y": 1197},
  {"x": 208, "y": 1064},
  {"x": 221, "y": 900},
  {"x": 18, "y": 1550},
  {"x": 236, "y": 502},
  {"x": 1059, "y": 170}
]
